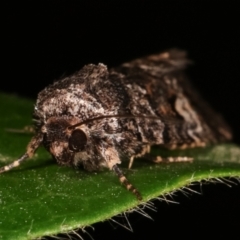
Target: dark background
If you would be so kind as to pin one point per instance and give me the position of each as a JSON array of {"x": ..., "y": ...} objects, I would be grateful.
[{"x": 43, "y": 42}]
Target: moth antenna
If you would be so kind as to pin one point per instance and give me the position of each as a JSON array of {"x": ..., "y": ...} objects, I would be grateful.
[
  {"x": 126, "y": 183},
  {"x": 31, "y": 148},
  {"x": 26, "y": 129},
  {"x": 111, "y": 116}
]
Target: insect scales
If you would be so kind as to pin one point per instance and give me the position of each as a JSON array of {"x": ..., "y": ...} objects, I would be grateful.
[{"x": 97, "y": 117}]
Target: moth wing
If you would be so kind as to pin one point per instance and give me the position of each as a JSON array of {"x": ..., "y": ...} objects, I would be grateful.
[{"x": 188, "y": 119}]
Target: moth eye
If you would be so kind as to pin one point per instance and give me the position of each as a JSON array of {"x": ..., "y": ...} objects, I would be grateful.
[{"x": 77, "y": 141}]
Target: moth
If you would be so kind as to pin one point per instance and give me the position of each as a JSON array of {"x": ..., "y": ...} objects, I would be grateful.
[{"x": 98, "y": 116}]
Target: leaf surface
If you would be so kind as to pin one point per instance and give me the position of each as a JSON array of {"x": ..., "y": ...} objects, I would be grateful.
[{"x": 40, "y": 198}]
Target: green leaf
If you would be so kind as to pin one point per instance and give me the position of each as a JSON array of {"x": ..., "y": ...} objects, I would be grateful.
[{"x": 41, "y": 198}]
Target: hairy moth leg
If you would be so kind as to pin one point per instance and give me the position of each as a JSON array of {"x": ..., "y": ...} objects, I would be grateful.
[{"x": 126, "y": 183}]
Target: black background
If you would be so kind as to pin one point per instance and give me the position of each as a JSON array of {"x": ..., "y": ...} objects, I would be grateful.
[{"x": 43, "y": 42}]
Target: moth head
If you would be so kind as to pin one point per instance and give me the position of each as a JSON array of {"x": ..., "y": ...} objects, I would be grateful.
[
  {"x": 62, "y": 140},
  {"x": 67, "y": 139}
]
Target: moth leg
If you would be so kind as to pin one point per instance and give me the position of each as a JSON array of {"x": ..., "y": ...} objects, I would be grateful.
[
  {"x": 146, "y": 150},
  {"x": 126, "y": 183},
  {"x": 131, "y": 162},
  {"x": 159, "y": 159},
  {"x": 31, "y": 148},
  {"x": 112, "y": 157},
  {"x": 14, "y": 164}
]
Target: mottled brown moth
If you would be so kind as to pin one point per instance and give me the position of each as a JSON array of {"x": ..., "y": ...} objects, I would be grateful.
[{"x": 97, "y": 117}]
